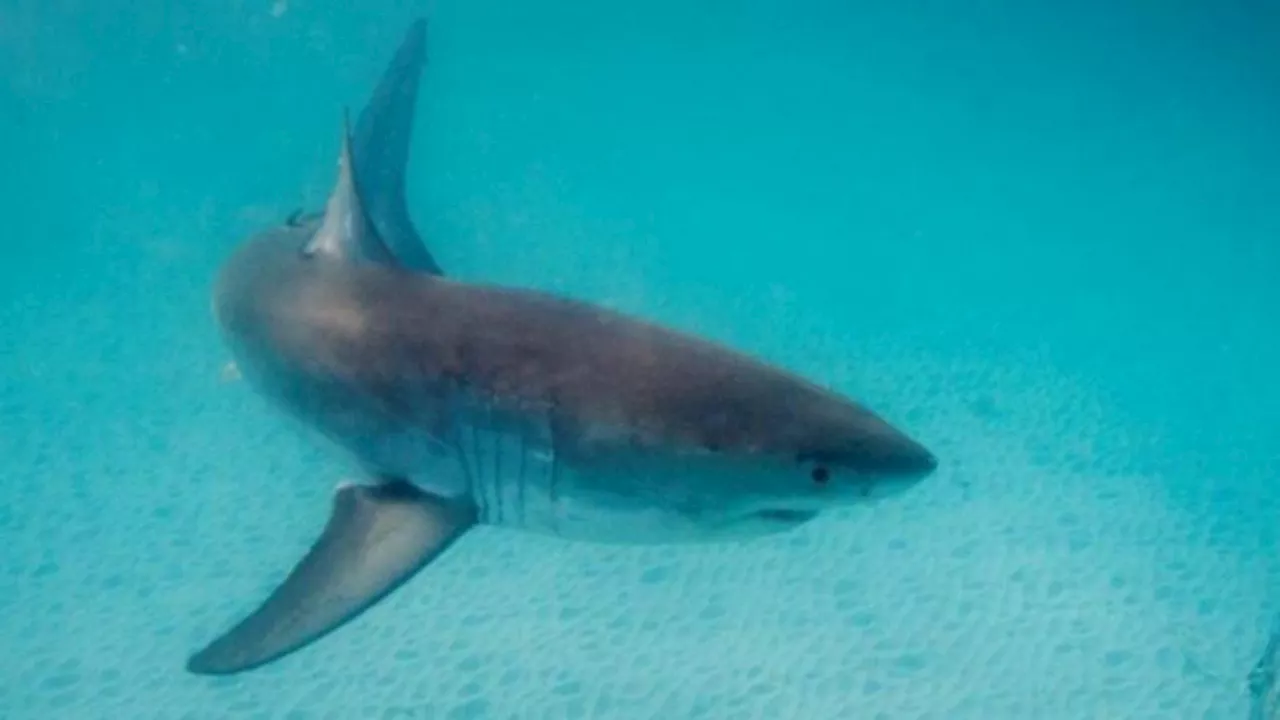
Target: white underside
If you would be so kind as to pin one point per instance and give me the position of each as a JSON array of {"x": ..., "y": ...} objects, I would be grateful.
[{"x": 515, "y": 480}]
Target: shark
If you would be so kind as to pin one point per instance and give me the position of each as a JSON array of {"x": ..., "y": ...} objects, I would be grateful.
[{"x": 463, "y": 404}]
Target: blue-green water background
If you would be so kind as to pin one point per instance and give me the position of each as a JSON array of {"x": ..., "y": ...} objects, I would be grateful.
[{"x": 1043, "y": 237}]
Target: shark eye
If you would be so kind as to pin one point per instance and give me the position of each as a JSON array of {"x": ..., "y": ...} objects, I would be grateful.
[{"x": 820, "y": 475}]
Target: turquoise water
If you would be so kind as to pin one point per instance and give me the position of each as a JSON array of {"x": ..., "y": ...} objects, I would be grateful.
[{"x": 1043, "y": 239}]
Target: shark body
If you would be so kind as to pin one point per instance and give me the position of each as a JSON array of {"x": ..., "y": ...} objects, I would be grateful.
[{"x": 465, "y": 403}]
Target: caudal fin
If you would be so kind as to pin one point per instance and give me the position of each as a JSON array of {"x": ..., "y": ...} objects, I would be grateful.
[{"x": 380, "y": 146}]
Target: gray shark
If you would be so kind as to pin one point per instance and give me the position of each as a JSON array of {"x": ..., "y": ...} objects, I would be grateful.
[{"x": 464, "y": 404}]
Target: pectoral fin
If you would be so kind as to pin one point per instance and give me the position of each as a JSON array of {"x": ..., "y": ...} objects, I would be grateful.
[{"x": 376, "y": 538}]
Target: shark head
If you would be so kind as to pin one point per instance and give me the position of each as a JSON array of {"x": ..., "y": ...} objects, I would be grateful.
[
  {"x": 833, "y": 454},
  {"x": 759, "y": 453},
  {"x": 850, "y": 455}
]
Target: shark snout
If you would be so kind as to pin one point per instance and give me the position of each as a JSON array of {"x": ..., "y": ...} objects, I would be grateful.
[
  {"x": 895, "y": 468},
  {"x": 912, "y": 461},
  {"x": 895, "y": 473},
  {"x": 887, "y": 453}
]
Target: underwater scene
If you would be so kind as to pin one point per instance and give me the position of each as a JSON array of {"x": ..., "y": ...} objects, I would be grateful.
[{"x": 777, "y": 359}]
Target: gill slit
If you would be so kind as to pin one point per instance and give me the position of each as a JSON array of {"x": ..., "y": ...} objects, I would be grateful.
[
  {"x": 498, "y": 438},
  {"x": 459, "y": 426},
  {"x": 481, "y": 478},
  {"x": 521, "y": 507},
  {"x": 554, "y": 477}
]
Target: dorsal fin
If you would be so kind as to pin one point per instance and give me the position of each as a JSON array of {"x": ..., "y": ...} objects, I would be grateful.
[
  {"x": 383, "y": 134},
  {"x": 347, "y": 233}
]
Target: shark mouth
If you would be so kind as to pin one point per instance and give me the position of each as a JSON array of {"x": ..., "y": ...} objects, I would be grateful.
[{"x": 790, "y": 517}]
